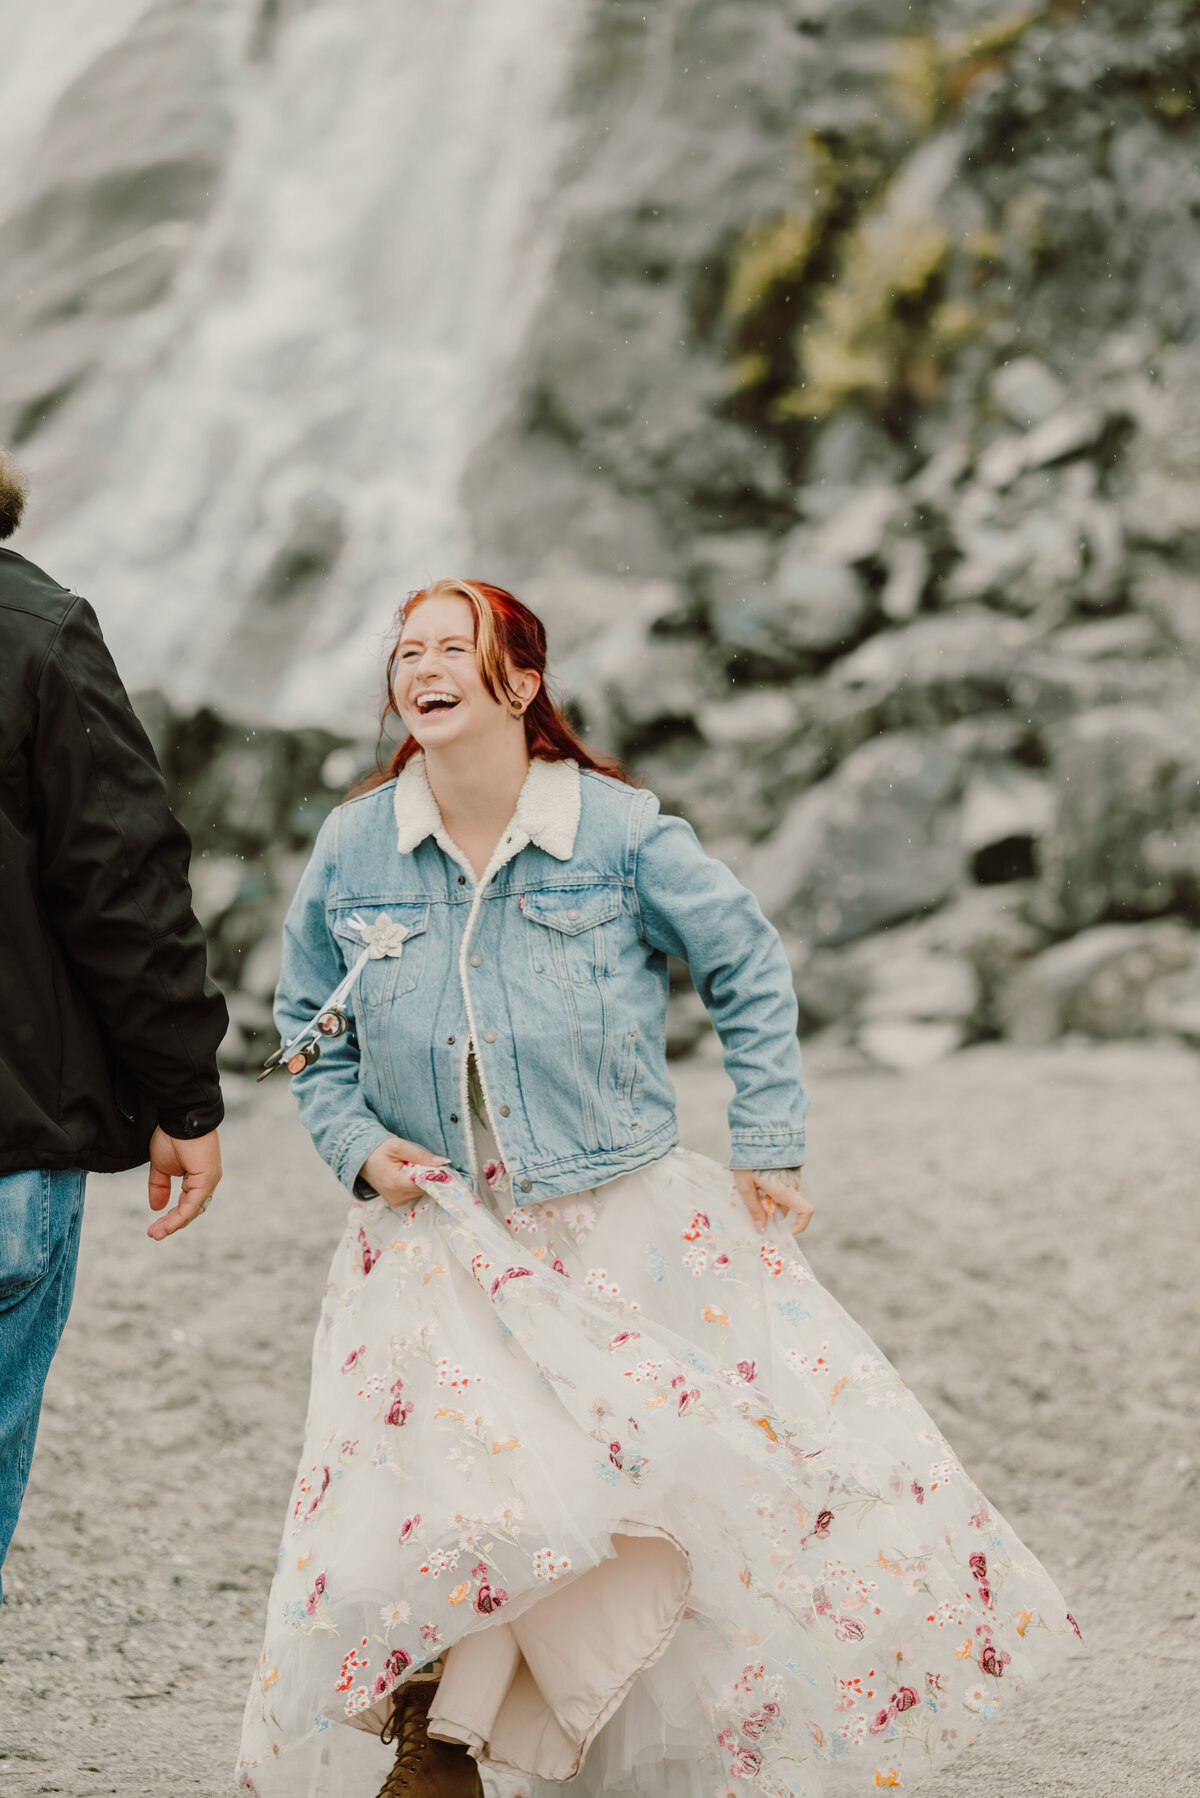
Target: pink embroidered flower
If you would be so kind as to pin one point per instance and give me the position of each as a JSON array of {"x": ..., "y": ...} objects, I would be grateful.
[
  {"x": 745, "y": 1763},
  {"x": 616, "y": 1455},
  {"x": 353, "y": 1358},
  {"x": 369, "y": 1255},
  {"x": 993, "y": 1660},
  {"x": 906, "y": 1698},
  {"x": 489, "y": 1598},
  {"x": 558, "y": 1267},
  {"x": 721, "y": 1263},
  {"x": 315, "y": 1596},
  {"x": 399, "y": 1411},
  {"x": 1074, "y": 1626},
  {"x": 494, "y": 1172},
  {"x": 408, "y": 1526},
  {"x": 624, "y": 1336},
  {"x": 985, "y": 1594},
  {"x": 396, "y": 1664},
  {"x": 918, "y": 1492},
  {"x": 849, "y": 1630},
  {"x": 883, "y": 1720},
  {"x": 978, "y": 1565},
  {"x": 820, "y": 1528},
  {"x": 440, "y": 1174},
  {"x": 698, "y": 1227},
  {"x": 689, "y": 1397},
  {"x": 510, "y": 1273},
  {"x": 325, "y": 1479},
  {"x": 748, "y": 1369},
  {"x": 759, "y": 1722}
]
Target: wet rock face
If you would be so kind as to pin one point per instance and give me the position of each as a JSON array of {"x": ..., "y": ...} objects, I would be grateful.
[
  {"x": 830, "y": 382},
  {"x": 125, "y": 171},
  {"x": 942, "y": 547},
  {"x": 252, "y": 801}
]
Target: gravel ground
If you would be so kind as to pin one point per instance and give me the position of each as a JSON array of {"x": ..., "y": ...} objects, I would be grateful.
[{"x": 1014, "y": 1229}]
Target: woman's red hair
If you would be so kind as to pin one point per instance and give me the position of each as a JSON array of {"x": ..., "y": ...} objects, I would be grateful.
[{"x": 508, "y": 638}]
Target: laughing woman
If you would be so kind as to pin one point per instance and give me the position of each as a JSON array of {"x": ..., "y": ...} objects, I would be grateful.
[{"x": 598, "y": 1484}]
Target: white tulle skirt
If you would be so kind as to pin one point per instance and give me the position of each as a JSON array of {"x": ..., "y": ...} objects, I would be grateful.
[{"x": 499, "y": 1401}]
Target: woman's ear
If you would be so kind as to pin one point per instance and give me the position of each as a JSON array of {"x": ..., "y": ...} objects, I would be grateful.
[{"x": 524, "y": 684}]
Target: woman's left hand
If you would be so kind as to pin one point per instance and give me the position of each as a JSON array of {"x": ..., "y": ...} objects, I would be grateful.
[{"x": 763, "y": 1194}]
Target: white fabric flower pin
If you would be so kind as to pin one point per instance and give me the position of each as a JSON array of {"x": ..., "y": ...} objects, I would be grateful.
[{"x": 386, "y": 936}]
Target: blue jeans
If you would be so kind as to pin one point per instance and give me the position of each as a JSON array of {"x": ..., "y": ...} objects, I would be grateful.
[{"x": 40, "y": 1218}]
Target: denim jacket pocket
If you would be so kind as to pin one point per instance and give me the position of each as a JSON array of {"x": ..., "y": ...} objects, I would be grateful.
[
  {"x": 568, "y": 942},
  {"x": 399, "y": 931}
]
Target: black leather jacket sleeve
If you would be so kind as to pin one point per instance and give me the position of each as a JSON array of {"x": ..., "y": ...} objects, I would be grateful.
[{"x": 113, "y": 863}]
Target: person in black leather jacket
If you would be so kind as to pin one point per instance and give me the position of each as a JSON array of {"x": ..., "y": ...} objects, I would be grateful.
[{"x": 109, "y": 1025}]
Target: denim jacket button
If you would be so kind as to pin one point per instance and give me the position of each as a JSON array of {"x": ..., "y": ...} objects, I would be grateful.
[
  {"x": 476, "y": 961},
  {"x": 504, "y": 1111},
  {"x": 572, "y": 914},
  {"x": 454, "y": 1117},
  {"x": 527, "y": 1186},
  {"x": 450, "y": 1041},
  {"x": 489, "y": 1036}
]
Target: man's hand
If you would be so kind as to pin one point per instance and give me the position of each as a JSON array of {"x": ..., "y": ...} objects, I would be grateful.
[
  {"x": 386, "y": 1169},
  {"x": 197, "y": 1163},
  {"x": 765, "y": 1193}
]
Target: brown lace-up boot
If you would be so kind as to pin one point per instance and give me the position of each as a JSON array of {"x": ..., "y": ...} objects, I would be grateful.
[{"x": 425, "y": 1767}]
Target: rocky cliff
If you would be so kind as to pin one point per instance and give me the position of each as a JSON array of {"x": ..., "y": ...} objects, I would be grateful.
[{"x": 825, "y": 371}]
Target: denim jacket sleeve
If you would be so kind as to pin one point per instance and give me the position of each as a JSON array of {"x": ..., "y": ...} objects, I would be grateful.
[
  {"x": 332, "y": 1107},
  {"x": 694, "y": 907}
]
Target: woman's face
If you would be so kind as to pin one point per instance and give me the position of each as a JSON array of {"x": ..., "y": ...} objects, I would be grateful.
[{"x": 438, "y": 687}]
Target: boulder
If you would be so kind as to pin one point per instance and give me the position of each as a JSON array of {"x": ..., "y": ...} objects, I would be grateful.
[
  {"x": 750, "y": 720},
  {"x": 854, "y": 532},
  {"x": 1173, "y": 1003},
  {"x": 810, "y": 606},
  {"x": 821, "y": 604},
  {"x": 876, "y": 842},
  {"x": 1122, "y": 772},
  {"x": 1026, "y": 391},
  {"x": 887, "y": 991},
  {"x": 629, "y": 681},
  {"x": 1006, "y": 812},
  {"x": 930, "y": 672},
  {"x": 1098, "y": 982}
]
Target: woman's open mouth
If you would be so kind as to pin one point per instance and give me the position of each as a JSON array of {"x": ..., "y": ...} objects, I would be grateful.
[{"x": 435, "y": 702}]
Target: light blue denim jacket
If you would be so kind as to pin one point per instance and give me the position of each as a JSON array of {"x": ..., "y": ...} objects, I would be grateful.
[{"x": 552, "y": 968}]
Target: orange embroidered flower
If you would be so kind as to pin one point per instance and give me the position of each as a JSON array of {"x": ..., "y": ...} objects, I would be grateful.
[
  {"x": 1024, "y": 1619},
  {"x": 713, "y": 1314},
  {"x": 437, "y": 1268},
  {"x": 460, "y": 1591},
  {"x": 508, "y": 1442},
  {"x": 964, "y": 1649},
  {"x": 890, "y": 1778},
  {"x": 763, "y": 1424}
]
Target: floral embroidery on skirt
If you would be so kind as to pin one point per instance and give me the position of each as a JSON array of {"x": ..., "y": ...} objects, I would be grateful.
[{"x": 493, "y": 1397}]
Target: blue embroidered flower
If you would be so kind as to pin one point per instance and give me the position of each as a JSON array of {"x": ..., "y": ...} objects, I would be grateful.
[
  {"x": 656, "y": 1263},
  {"x": 792, "y": 1311}
]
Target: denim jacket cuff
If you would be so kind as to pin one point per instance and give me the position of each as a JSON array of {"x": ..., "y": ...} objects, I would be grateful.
[
  {"x": 765, "y": 1148},
  {"x": 353, "y": 1147}
]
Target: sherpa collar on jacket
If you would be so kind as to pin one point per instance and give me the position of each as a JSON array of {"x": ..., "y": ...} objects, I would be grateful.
[{"x": 547, "y": 813}]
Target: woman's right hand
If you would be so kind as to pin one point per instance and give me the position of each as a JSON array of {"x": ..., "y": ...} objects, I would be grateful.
[{"x": 386, "y": 1169}]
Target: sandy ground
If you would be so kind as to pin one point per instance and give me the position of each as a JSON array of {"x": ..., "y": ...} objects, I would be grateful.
[{"x": 1017, "y": 1231}]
